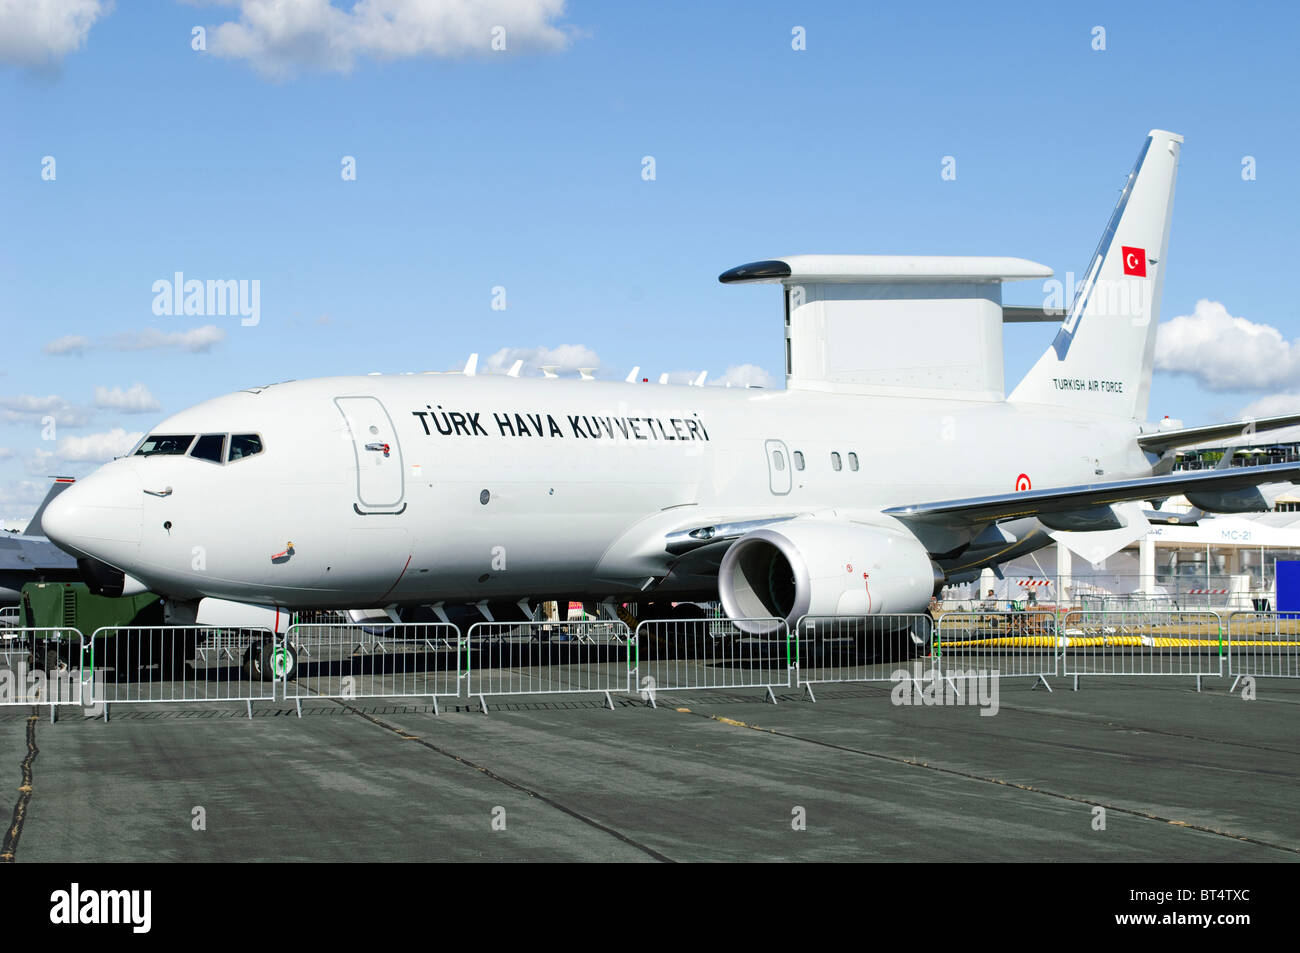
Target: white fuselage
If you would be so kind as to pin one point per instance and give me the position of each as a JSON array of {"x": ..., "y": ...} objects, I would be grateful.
[{"x": 501, "y": 488}]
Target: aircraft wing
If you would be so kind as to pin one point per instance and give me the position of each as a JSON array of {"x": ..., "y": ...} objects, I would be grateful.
[
  {"x": 1074, "y": 499},
  {"x": 1163, "y": 440}
]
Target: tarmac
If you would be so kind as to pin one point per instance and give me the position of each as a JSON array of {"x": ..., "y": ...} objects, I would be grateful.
[{"x": 705, "y": 776}]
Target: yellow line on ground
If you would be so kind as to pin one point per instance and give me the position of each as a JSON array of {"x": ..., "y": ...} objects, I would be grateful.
[{"x": 1097, "y": 641}]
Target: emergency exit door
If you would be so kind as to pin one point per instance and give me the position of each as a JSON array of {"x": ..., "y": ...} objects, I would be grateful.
[{"x": 380, "y": 481}]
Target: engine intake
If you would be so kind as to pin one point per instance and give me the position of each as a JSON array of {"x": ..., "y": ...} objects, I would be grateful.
[{"x": 823, "y": 567}]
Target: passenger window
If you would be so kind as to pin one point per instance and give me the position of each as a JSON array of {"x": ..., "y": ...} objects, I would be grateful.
[
  {"x": 853, "y": 462},
  {"x": 836, "y": 463},
  {"x": 164, "y": 445},
  {"x": 244, "y": 445},
  {"x": 798, "y": 459},
  {"x": 211, "y": 446},
  {"x": 778, "y": 460}
]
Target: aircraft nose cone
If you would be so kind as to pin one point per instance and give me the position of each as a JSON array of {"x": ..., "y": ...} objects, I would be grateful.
[{"x": 100, "y": 515}]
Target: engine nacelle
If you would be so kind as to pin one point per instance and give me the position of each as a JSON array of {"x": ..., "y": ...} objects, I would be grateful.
[{"x": 825, "y": 567}]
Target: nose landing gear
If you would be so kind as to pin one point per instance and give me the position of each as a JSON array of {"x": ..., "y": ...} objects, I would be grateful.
[{"x": 270, "y": 662}]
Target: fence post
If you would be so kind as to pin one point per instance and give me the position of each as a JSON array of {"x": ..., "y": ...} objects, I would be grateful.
[
  {"x": 792, "y": 655},
  {"x": 633, "y": 662},
  {"x": 1220, "y": 617},
  {"x": 463, "y": 673}
]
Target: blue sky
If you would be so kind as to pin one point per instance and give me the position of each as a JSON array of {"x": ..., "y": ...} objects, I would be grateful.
[{"x": 522, "y": 169}]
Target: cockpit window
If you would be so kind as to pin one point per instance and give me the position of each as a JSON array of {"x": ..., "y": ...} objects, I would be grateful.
[
  {"x": 164, "y": 444},
  {"x": 244, "y": 445},
  {"x": 211, "y": 446}
]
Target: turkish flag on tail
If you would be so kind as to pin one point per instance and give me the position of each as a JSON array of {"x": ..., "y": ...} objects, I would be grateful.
[{"x": 1135, "y": 261}]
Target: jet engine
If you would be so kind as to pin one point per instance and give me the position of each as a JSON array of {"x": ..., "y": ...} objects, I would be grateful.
[{"x": 823, "y": 567}]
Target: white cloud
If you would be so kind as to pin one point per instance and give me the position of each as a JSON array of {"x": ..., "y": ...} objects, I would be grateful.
[
  {"x": 136, "y": 399},
  {"x": 738, "y": 375},
  {"x": 68, "y": 344},
  {"x": 567, "y": 357},
  {"x": 6, "y": 453},
  {"x": 23, "y": 496},
  {"x": 1222, "y": 352},
  {"x": 674, "y": 377},
  {"x": 746, "y": 375},
  {"x": 39, "y": 33},
  {"x": 84, "y": 457},
  {"x": 1274, "y": 405},
  {"x": 278, "y": 38},
  {"x": 28, "y": 408},
  {"x": 41, "y": 463},
  {"x": 196, "y": 340},
  {"x": 96, "y": 447}
]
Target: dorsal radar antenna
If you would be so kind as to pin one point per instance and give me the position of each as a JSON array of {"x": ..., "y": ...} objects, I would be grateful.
[{"x": 897, "y": 325}]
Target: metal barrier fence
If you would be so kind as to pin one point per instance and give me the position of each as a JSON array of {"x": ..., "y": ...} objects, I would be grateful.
[
  {"x": 1188, "y": 643},
  {"x": 687, "y": 654},
  {"x": 1263, "y": 645},
  {"x": 201, "y": 664},
  {"x": 1012, "y": 644},
  {"x": 858, "y": 648},
  {"x": 548, "y": 658},
  {"x": 164, "y": 664},
  {"x": 383, "y": 660},
  {"x": 43, "y": 666},
  {"x": 15, "y": 644}
]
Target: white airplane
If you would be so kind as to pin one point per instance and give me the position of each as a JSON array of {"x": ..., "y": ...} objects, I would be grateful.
[{"x": 891, "y": 462}]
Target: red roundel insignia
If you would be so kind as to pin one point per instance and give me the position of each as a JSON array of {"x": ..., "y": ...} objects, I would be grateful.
[{"x": 1022, "y": 483}]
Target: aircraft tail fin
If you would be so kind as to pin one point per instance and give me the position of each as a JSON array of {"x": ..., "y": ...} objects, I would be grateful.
[
  {"x": 34, "y": 524},
  {"x": 1102, "y": 356}
]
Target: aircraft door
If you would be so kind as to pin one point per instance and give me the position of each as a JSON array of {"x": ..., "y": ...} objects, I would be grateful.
[
  {"x": 380, "y": 481},
  {"x": 779, "y": 466}
]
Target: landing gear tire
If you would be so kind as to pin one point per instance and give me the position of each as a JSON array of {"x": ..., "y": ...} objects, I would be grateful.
[
  {"x": 280, "y": 662},
  {"x": 270, "y": 662}
]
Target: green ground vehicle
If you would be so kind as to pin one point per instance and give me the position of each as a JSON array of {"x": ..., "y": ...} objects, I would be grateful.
[
  {"x": 61, "y": 607},
  {"x": 66, "y": 608}
]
